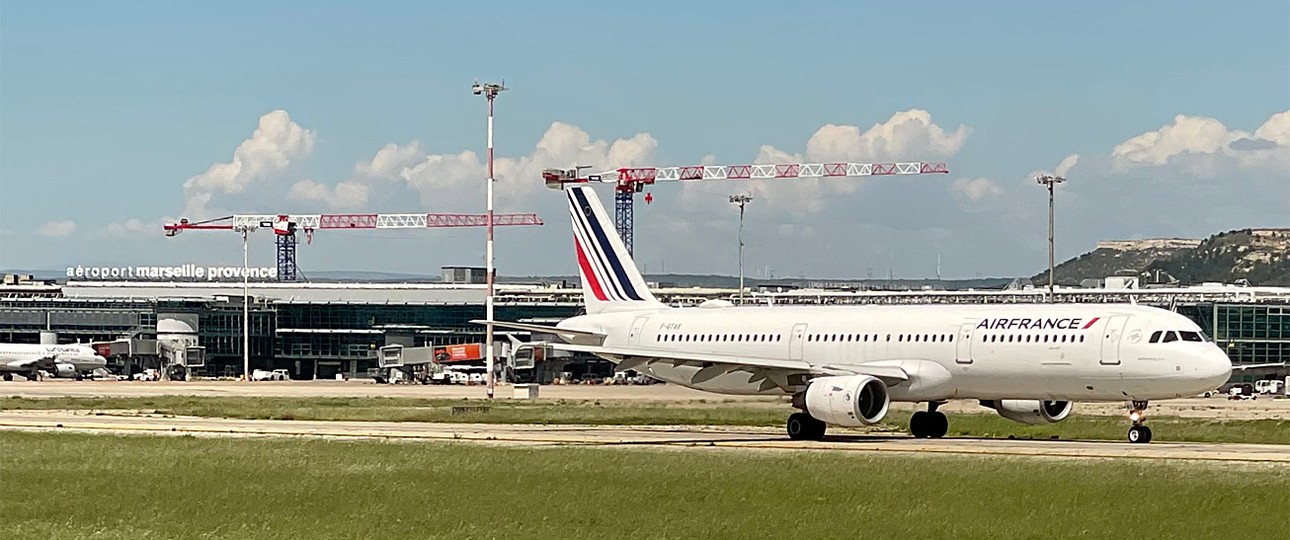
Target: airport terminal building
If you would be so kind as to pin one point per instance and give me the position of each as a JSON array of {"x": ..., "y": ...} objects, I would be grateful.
[
  {"x": 320, "y": 330},
  {"x": 311, "y": 330}
]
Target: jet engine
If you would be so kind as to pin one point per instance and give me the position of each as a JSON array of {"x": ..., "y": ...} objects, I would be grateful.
[
  {"x": 64, "y": 370},
  {"x": 1031, "y": 411},
  {"x": 849, "y": 401}
]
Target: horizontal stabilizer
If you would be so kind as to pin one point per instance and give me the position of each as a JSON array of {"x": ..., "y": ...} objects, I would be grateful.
[{"x": 541, "y": 328}]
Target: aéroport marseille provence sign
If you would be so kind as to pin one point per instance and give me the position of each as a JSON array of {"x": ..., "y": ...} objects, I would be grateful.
[{"x": 183, "y": 272}]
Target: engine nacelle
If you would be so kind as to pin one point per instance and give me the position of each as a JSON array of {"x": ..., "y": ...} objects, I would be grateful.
[
  {"x": 64, "y": 370},
  {"x": 849, "y": 401},
  {"x": 1031, "y": 411}
]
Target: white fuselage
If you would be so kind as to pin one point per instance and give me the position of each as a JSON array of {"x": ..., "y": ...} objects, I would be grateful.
[
  {"x": 1031, "y": 351},
  {"x": 58, "y": 360}
]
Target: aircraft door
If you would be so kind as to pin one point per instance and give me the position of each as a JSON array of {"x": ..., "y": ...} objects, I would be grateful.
[
  {"x": 796, "y": 339},
  {"x": 963, "y": 346},
  {"x": 638, "y": 327},
  {"x": 1111, "y": 339}
]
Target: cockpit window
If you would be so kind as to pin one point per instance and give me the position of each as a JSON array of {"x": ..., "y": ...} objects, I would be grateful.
[
  {"x": 1155, "y": 336},
  {"x": 1169, "y": 336},
  {"x": 1190, "y": 336}
]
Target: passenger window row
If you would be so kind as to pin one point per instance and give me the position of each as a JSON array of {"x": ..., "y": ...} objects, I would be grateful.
[
  {"x": 874, "y": 338},
  {"x": 1031, "y": 338},
  {"x": 717, "y": 338}
]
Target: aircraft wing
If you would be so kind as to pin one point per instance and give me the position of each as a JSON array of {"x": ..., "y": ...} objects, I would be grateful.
[
  {"x": 9, "y": 362},
  {"x": 633, "y": 357},
  {"x": 1243, "y": 367}
]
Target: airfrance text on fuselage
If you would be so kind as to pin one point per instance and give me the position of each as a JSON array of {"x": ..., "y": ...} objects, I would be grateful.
[{"x": 1068, "y": 323}]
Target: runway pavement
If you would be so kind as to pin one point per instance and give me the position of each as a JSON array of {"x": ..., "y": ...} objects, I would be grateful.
[
  {"x": 762, "y": 439},
  {"x": 1216, "y": 407},
  {"x": 354, "y": 388}
]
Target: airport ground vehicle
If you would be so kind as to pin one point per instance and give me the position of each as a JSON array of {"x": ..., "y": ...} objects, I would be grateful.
[
  {"x": 1241, "y": 391},
  {"x": 275, "y": 375},
  {"x": 1270, "y": 387}
]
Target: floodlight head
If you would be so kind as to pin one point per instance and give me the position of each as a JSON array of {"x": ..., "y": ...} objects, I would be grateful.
[
  {"x": 488, "y": 90},
  {"x": 1048, "y": 180}
]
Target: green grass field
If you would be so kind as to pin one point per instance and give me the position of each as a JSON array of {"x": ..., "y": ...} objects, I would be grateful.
[
  {"x": 720, "y": 412},
  {"x": 137, "y": 487}
]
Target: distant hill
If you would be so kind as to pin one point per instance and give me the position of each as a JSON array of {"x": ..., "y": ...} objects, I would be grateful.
[{"x": 1259, "y": 256}]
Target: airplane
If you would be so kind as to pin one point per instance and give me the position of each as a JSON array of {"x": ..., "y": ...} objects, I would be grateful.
[
  {"x": 844, "y": 365},
  {"x": 59, "y": 360}
]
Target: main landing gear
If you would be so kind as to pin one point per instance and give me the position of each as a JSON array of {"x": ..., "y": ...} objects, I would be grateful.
[
  {"x": 929, "y": 424},
  {"x": 7, "y": 377},
  {"x": 804, "y": 427},
  {"x": 1138, "y": 433}
]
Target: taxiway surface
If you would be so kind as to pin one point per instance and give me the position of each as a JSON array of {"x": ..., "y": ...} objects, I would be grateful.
[
  {"x": 688, "y": 437},
  {"x": 1217, "y": 407}
]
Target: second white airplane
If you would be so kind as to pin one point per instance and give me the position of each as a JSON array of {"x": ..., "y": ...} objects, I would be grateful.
[
  {"x": 58, "y": 360},
  {"x": 843, "y": 365}
]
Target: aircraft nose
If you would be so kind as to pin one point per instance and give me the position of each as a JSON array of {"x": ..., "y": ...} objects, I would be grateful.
[{"x": 1215, "y": 367}]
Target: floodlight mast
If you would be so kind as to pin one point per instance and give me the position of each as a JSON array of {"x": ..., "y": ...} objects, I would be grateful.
[
  {"x": 489, "y": 91},
  {"x": 741, "y": 200},
  {"x": 1050, "y": 182},
  {"x": 246, "y": 301}
]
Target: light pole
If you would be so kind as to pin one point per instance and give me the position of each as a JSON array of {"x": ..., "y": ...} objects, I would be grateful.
[
  {"x": 489, "y": 91},
  {"x": 1050, "y": 182},
  {"x": 246, "y": 304},
  {"x": 741, "y": 200}
]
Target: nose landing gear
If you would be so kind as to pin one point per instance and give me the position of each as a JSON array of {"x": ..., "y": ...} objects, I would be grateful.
[{"x": 1138, "y": 433}]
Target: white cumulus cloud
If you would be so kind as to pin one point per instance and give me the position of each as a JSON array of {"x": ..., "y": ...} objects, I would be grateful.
[
  {"x": 57, "y": 228},
  {"x": 456, "y": 180},
  {"x": 1066, "y": 165},
  {"x": 276, "y": 144},
  {"x": 906, "y": 136},
  {"x": 131, "y": 228},
  {"x": 1193, "y": 177},
  {"x": 976, "y": 189},
  {"x": 1205, "y": 146},
  {"x": 345, "y": 195}
]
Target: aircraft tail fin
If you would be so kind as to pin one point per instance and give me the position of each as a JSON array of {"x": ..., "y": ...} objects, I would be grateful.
[{"x": 610, "y": 280}]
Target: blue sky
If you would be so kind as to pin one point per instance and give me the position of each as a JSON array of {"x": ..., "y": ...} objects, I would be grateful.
[{"x": 107, "y": 108}]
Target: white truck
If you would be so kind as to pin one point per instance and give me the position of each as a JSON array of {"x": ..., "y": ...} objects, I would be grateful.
[
  {"x": 275, "y": 375},
  {"x": 1270, "y": 387}
]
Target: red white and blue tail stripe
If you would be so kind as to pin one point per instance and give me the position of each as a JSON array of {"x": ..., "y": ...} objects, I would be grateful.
[{"x": 610, "y": 281}]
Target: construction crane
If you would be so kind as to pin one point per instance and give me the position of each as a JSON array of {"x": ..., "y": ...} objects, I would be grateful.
[
  {"x": 285, "y": 226},
  {"x": 628, "y": 181}
]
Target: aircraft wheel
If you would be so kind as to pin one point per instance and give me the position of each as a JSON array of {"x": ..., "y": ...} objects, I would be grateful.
[
  {"x": 1139, "y": 434},
  {"x": 798, "y": 426},
  {"x": 804, "y": 427},
  {"x": 818, "y": 430},
  {"x": 919, "y": 425},
  {"x": 938, "y": 425},
  {"x": 32, "y": 376},
  {"x": 7, "y": 377}
]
